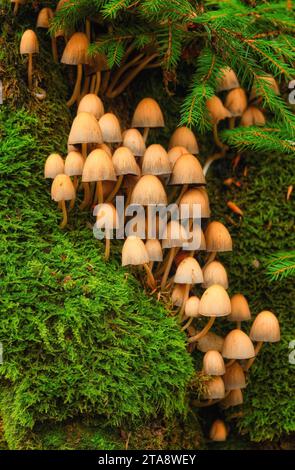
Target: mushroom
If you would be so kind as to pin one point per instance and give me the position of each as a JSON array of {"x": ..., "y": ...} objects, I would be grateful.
[
  {"x": 240, "y": 310},
  {"x": 147, "y": 114},
  {"x": 196, "y": 240},
  {"x": 54, "y": 166},
  {"x": 149, "y": 191},
  {"x": 177, "y": 295},
  {"x": 44, "y": 19},
  {"x": 236, "y": 103},
  {"x": 252, "y": 116},
  {"x": 135, "y": 253},
  {"x": 265, "y": 329},
  {"x": 133, "y": 139},
  {"x": 217, "y": 113},
  {"x": 187, "y": 170},
  {"x": 227, "y": 80},
  {"x": 62, "y": 190},
  {"x": 215, "y": 389},
  {"x": 74, "y": 167},
  {"x": 210, "y": 341},
  {"x": 97, "y": 63},
  {"x": 107, "y": 219},
  {"x": 213, "y": 363},
  {"x": 234, "y": 377},
  {"x": 98, "y": 167},
  {"x": 237, "y": 345},
  {"x": 125, "y": 164},
  {"x": 218, "y": 431},
  {"x": 234, "y": 398},
  {"x": 91, "y": 103},
  {"x": 175, "y": 152},
  {"x": 184, "y": 137},
  {"x": 17, "y": 3},
  {"x": 215, "y": 273},
  {"x": 218, "y": 239},
  {"x": 188, "y": 273},
  {"x": 192, "y": 198},
  {"x": 258, "y": 85},
  {"x": 154, "y": 250},
  {"x": 174, "y": 236},
  {"x": 155, "y": 161},
  {"x": 75, "y": 53},
  {"x": 110, "y": 128},
  {"x": 29, "y": 45}
]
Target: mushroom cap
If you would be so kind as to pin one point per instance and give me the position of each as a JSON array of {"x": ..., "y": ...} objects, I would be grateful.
[
  {"x": 270, "y": 81},
  {"x": 215, "y": 302},
  {"x": 237, "y": 345},
  {"x": 60, "y": 4},
  {"x": 184, "y": 137},
  {"x": 234, "y": 377},
  {"x": 265, "y": 328},
  {"x": 134, "y": 252},
  {"x": 177, "y": 296},
  {"x": 85, "y": 130},
  {"x": 196, "y": 242},
  {"x": 215, "y": 389},
  {"x": 75, "y": 52},
  {"x": 155, "y": 161},
  {"x": 154, "y": 250},
  {"x": 44, "y": 18},
  {"x": 91, "y": 103},
  {"x": 148, "y": 114},
  {"x": 228, "y": 80},
  {"x": 252, "y": 116},
  {"x": 218, "y": 237},
  {"x": 240, "y": 310},
  {"x": 234, "y": 398},
  {"x": 191, "y": 308},
  {"x": 175, "y": 152},
  {"x": 124, "y": 162},
  {"x": 74, "y": 164},
  {"x": 106, "y": 216},
  {"x": 29, "y": 43},
  {"x": 174, "y": 235},
  {"x": 54, "y": 166},
  {"x": 218, "y": 431},
  {"x": 149, "y": 190},
  {"x": 236, "y": 101},
  {"x": 210, "y": 341},
  {"x": 213, "y": 363},
  {"x": 133, "y": 139},
  {"x": 62, "y": 188},
  {"x": 110, "y": 128},
  {"x": 98, "y": 166},
  {"x": 216, "y": 109},
  {"x": 188, "y": 272},
  {"x": 187, "y": 170},
  {"x": 215, "y": 273},
  {"x": 96, "y": 63},
  {"x": 106, "y": 148},
  {"x": 195, "y": 196}
]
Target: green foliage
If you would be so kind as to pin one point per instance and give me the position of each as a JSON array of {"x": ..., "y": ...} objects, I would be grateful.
[{"x": 281, "y": 265}]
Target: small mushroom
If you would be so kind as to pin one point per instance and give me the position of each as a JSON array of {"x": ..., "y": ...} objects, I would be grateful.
[
  {"x": 240, "y": 310},
  {"x": 191, "y": 310},
  {"x": 217, "y": 113},
  {"x": 149, "y": 191},
  {"x": 29, "y": 45},
  {"x": 133, "y": 139},
  {"x": 135, "y": 253},
  {"x": 187, "y": 171},
  {"x": 148, "y": 115},
  {"x": 17, "y": 3},
  {"x": 184, "y": 137},
  {"x": 125, "y": 164},
  {"x": 175, "y": 152},
  {"x": 91, "y": 103},
  {"x": 155, "y": 161},
  {"x": 54, "y": 166},
  {"x": 174, "y": 236},
  {"x": 218, "y": 431},
  {"x": 110, "y": 128},
  {"x": 44, "y": 19},
  {"x": 227, "y": 80},
  {"x": 215, "y": 273},
  {"x": 189, "y": 273},
  {"x": 191, "y": 199},
  {"x": 236, "y": 103},
  {"x": 265, "y": 329},
  {"x": 62, "y": 190},
  {"x": 215, "y": 389},
  {"x": 213, "y": 363},
  {"x": 234, "y": 398},
  {"x": 234, "y": 377},
  {"x": 252, "y": 116},
  {"x": 237, "y": 345},
  {"x": 74, "y": 167},
  {"x": 218, "y": 239},
  {"x": 107, "y": 219},
  {"x": 98, "y": 167}
]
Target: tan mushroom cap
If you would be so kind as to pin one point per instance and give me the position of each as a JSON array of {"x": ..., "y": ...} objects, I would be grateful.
[
  {"x": 252, "y": 117},
  {"x": 228, "y": 80},
  {"x": 237, "y": 345},
  {"x": 210, "y": 341},
  {"x": 133, "y": 139},
  {"x": 175, "y": 152},
  {"x": 234, "y": 398},
  {"x": 44, "y": 18},
  {"x": 62, "y": 188},
  {"x": 74, "y": 164},
  {"x": 29, "y": 43},
  {"x": 134, "y": 252},
  {"x": 218, "y": 237},
  {"x": 98, "y": 166},
  {"x": 174, "y": 235},
  {"x": 213, "y": 363},
  {"x": 188, "y": 272},
  {"x": 215, "y": 273},
  {"x": 155, "y": 161},
  {"x": 265, "y": 328},
  {"x": 106, "y": 148},
  {"x": 215, "y": 302},
  {"x": 236, "y": 101},
  {"x": 177, "y": 295},
  {"x": 269, "y": 81},
  {"x": 191, "y": 308},
  {"x": 124, "y": 162},
  {"x": 187, "y": 170},
  {"x": 216, "y": 109},
  {"x": 240, "y": 310},
  {"x": 234, "y": 377},
  {"x": 193, "y": 198},
  {"x": 106, "y": 216},
  {"x": 149, "y": 190},
  {"x": 91, "y": 103},
  {"x": 148, "y": 114},
  {"x": 215, "y": 389},
  {"x": 75, "y": 52},
  {"x": 85, "y": 130},
  {"x": 154, "y": 250},
  {"x": 184, "y": 137},
  {"x": 54, "y": 166},
  {"x": 218, "y": 431},
  {"x": 196, "y": 240},
  {"x": 110, "y": 128}
]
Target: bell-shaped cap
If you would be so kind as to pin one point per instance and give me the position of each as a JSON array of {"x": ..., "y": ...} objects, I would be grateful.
[
  {"x": 210, "y": 341},
  {"x": 184, "y": 137},
  {"x": 154, "y": 250},
  {"x": 155, "y": 161},
  {"x": 148, "y": 114},
  {"x": 85, "y": 130},
  {"x": 217, "y": 111},
  {"x": 218, "y": 431},
  {"x": 54, "y": 166},
  {"x": 133, "y": 139},
  {"x": 236, "y": 101},
  {"x": 269, "y": 81},
  {"x": 215, "y": 302},
  {"x": 215, "y": 273},
  {"x": 106, "y": 148},
  {"x": 124, "y": 162},
  {"x": 29, "y": 43},
  {"x": 190, "y": 201},
  {"x": 252, "y": 117},
  {"x": 134, "y": 252},
  {"x": 106, "y": 216},
  {"x": 75, "y": 52},
  {"x": 91, "y": 103},
  {"x": 188, "y": 272},
  {"x": 149, "y": 190},
  {"x": 228, "y": 80},
  {"x": 175, "y": 152},
  {"x": 234, "y": 377},
  {"x": 191, "y": 308},
  {"x": 174, "y": 235},
  {"x": 213, "y": 363},
  {"x": 234, "y": 398},
  {"x": 196, "y": 239},
  {"x": 215, "y": 389},
  {"x": 98, "y": 167},
  {"x": 265, "y": 328},
  {"x": 178, "y": 294},
  {"x": 240, "y": 310},
  {"x": 110, "y": 128},
  {"x": 74, "y": 164},
  {"x": 187, "y": 170},
  {"x": 218, "y": 237},
  {"x": 44, "y": 18},
  {"x": 237, "y": 345},
  {"x": 62, "y": 188}
]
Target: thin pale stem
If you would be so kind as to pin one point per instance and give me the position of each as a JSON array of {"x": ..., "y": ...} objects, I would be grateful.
[
  {"x": 85, "y": 89},
  {"x": 116, "y": 189},
  {"x": 54, "y": 49},
  {"x": 187, "y": 324},
  {"x": 107, "y": 249},
  {"x": 204, "y": 331},
  {"x": 30, "y": 71},
  {"x": 122, "y": 70},
  {"x": 257, "y": 349},
  {"x": 15, "y": 9},
  {"x": 232, "y": 122},
  {"x": 145, "y": 134},
  {"x": 92, "y": 84},
  {"x": 210, "y": 160},
  {"x": 88, "y": 29},
  {"x": 75, "y": 183},
  {"x": 65, "y": 215},
  {"x": 185, "y": 297},
  {"x": 216, "y": 137},
  {"x": 97, "y": 82},
  {"x": 77, "y": 88},
  {"x": 183, "y": 190},
  {"x": 168, "y": 264},
  {"x": 99, "y": 192},
  {"x": 150, "y": 277}
]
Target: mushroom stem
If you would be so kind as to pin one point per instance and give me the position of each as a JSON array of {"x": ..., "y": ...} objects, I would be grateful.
[
  {"x": 145, "y": 134},
  {"x": 230, "y": 363},
  {"x": 92, "y": 84},
  {"x": 167, "y": 265},
  {"x": 185, "y": 297},
  {"x": 88, "y": 29},
  {"x": 116, "y": 189},
  {"x": 86, "y": 198},
  {"x": 187, "y": 324},
  {"x": 107, "y": 249},
  {"x": 75, "y": 183},
  {"x": 211, "y": 257},
  {"x": 30, "y": 71},
  {"x": 16, "y": 7},
  {"x": 202, "y": 333},
  {"x": 183, "y": 190},
  {"x": 97, "y": 83},
  {"x": 150, "y": 277},
  {"x": 65, "y": 215},
  {"x": 210, "y": 160},
  {"x": 85, "y": 88},
  {"x": 239, "y": 325},
  {"x": 257, "y": 349},
  {"x": 232, "y": 121},
  {"x": 151, "y": 265},
  {"x": 54, "y": 49},
  {"x": 216, "y": 137},
  {"x": 77, "y": 88},
  {"x": 99, "y": 192}
]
